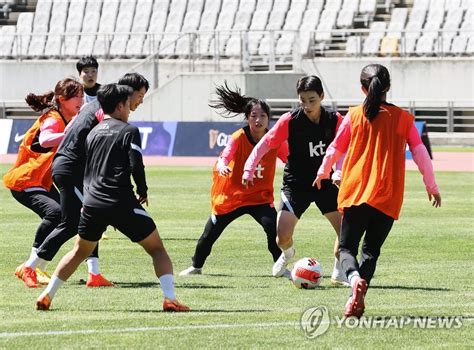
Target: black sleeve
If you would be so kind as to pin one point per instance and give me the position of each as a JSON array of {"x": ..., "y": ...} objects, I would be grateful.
[{"x": 136, "y": 162}]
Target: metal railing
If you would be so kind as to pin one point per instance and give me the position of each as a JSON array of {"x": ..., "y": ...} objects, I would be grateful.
[
  {"x": 440, "y": 116},
  {"x": 304, "y": 44}
]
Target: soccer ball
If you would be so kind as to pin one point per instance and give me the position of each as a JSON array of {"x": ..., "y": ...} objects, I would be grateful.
[{"x": 307, "y": 273}]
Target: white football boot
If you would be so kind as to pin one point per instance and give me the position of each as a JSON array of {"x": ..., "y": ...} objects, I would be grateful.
[
  {"x": 279, "y": 267},
  {"x": 191, "y": 271}
]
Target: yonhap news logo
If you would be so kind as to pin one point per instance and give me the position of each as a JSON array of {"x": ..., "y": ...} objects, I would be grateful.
[{"x": 315, "y": 321}]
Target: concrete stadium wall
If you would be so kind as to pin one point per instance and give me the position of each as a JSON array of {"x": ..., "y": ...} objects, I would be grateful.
[{"x": 184, "y": 96}]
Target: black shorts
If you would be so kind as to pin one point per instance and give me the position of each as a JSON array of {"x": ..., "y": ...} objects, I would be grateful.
[
  {"x": 130, "y": 219},
  {"x": 296, "y": 201}
]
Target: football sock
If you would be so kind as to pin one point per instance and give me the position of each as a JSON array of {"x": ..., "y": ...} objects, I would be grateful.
[
  {"x": 53, "y": 286},
  {"x": 337, "y": 267},
  {"x": 167, "y": 285},
  {"x": 289, "y": 253},
  {"x": 34, "y": 260},
  {"x": 353, "y": 277},
  {"x": 93, "y": 265}
]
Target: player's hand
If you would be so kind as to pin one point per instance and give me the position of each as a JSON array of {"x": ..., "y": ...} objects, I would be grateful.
[
  {"x": 246, "y": 183},
  {"x": 225, "y": 171},
  {"x": 436, "y": 197},
  {"x": 336, "y": 178},
  {"x": 143, "y": 200},
  {"x": 317, "y": 181}
]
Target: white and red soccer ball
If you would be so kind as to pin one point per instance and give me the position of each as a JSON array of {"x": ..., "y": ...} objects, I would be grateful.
[{"x": 307, "y": 273}]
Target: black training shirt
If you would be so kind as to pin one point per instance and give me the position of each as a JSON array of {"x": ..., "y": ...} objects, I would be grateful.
[
  {"x": 70, "y": 156},
  {"x": 113, "y": 154}
]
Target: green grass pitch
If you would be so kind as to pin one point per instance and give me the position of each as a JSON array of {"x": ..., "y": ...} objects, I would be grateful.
[{"x": 426, "y": 269}]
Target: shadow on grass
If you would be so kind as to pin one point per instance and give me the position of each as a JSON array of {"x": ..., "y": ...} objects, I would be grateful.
[{"x": 412, "y": 288}]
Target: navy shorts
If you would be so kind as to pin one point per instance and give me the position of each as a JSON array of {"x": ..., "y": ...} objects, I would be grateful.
[
  {"x": 296, "y": 201},
  {"x": 130, "y": 219}
]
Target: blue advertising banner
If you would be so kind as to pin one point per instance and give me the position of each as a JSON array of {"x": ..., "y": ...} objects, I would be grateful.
[
  {"x": 19, "y": 128},
  {"x": 158, "y": 138},
  {"x": 423, "y": 132},
  {"x": 203, "y": 138}
]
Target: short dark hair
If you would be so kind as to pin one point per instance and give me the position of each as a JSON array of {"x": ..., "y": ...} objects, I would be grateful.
[
  {"x": 110, "y": 95},
  {"x": 86, "y": 61},
  {"x": 135, "y": 80},
  {"x": 310, "y": 83}
]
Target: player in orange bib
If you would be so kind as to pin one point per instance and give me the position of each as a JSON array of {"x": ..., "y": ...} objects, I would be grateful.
[
  {"x": 375, "y": 136},
  {"x": 229, "y": 198},
  {"x": 30, "y": 179}
]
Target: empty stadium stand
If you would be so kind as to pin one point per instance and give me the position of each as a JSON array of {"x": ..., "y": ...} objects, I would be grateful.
[{"x": 235, "y": 28}]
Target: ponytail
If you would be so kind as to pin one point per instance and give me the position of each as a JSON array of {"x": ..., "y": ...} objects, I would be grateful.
[
  {"x": 40, "y": 102},
  {"x": 67, "y": 88},
  {"x": 376, "y": 80},
  {"x": 231, "y": 103}
]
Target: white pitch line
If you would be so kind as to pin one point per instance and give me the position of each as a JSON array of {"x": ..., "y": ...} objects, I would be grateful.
[
  {"x": 168, "y": 328},
  {"x": 152, "y": 329}
]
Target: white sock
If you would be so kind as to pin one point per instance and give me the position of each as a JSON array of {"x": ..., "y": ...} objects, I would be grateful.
[
  {"x": 167, "y": 285},
  {"x": 289, "y": 253},
  {"x": 53, "y": 286},
  {"x": 93, "y": 265},
  {"x": 42, "y": 264},
  {"x": 353, "y": 277},
  {"x": 34, "y": 260}
]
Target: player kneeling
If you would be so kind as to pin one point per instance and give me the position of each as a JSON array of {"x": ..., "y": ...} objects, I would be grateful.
[{"x": 113, "y": 154}]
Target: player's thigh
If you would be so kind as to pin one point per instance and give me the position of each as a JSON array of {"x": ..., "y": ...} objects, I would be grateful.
[
  {"x": 134, "y": 222},
  {"x": 92, "y": 223},
  {"x": 326, "y": 197}
]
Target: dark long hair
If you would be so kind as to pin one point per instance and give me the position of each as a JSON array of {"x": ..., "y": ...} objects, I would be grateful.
[
  {"x": 375, "y": 78},
  {"x": 231, "y": 103},
  {"x": 67, "y": 88}
]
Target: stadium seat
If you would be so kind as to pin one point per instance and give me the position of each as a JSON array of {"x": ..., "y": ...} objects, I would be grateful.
[
  {"x": 425, "y": 45},
  {"x": 334, "y": 5},
  {"x": 293, "y": 19},
  {"x": 452, "y": 23},
  {"x": 298, "y": 5},
  {"x": 285, "y": 44},
  {"x": 75, "y": 18},
  {"x": 57, "y": 26},
  {"x": 371, "y": 44},
  {"x": 421, "y": 5},
  {"x": 40, "y": 26},
  {"x": 397, "y": 22},
  {"x": 173, "y": 27},
  {"x": 345, "y": 19},
  {"x": 308, "y": 25},
  {"x": 107, "y": 21},
  {"x": 470, "y": 46},
  {"x": 389, "y": 46},
  {"x": 353, "y": 46},
  {"x": 123, "y": 27},
  {"x": 368, "y": 7},
  {"x": 157, "y": 26},
  {"x": 24, "y": 26},
  {"x": 7, "y": 37},
  {"x": 265, "y": 5},
  {"x": 326, "y": 24},
  {"x": 190, "y": 24},
  {"x": 409, "y": 45},
  {"x": 141, "y": 22},
  {"x": 459, "y": 44},
  {"x": 351, "y": 5},
  {"x": 434, "y": 20}
]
